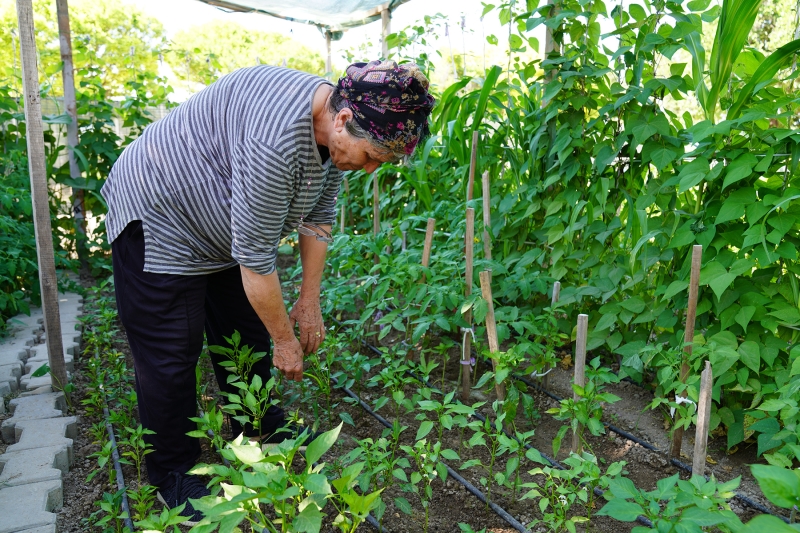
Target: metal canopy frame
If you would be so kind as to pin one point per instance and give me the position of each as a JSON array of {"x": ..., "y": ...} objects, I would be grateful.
[{"x": 248, "y": 7}]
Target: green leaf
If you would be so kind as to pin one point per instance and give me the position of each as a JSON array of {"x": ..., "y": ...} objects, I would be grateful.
[
  {"x": 740, "y": 168},
  {"x": 622, "y": 510},
  {"x": 734, "y": 206},
  {"x": 41, "y": 371},
  {"x": 779, "y": 485},
  {"x": 661, "y": 157},
  {"x": 751, "y": 355},
  {"x": 309, "y": 520},
  {"x": 322, "y": 444},
  {"x": 744, "y": 316},
  {"x": 403, "y": 505},
  {"x": 674, "y": 288},
  {"x": 766, "y": 71},
  {"x": 424, "y": 428}
]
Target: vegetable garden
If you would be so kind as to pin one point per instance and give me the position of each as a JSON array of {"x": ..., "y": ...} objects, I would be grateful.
[{"x": 521, "y": 313}]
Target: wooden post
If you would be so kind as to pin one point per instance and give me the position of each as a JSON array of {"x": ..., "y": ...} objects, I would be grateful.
[
  {"x": 328, "y": 63},
  {"x": 386, "y": 29},
  {"x": 376, "y": 217},
  {"x": 491, "y": 328},
  {"x": 426, "y": 250},
  {"x": 580, "y": 372},
  {"x": 405, "y": 241},
  {"x": 703, "y": 419},
  {"x": 688, "y": 337},
  {"x": 341, "y": 224},
  {"x": 473, "y": 162},
  {"x": 487, "y": 217},
  {"x": 553, "y": 302},
  {"x": 41, "y": 208},
  {"x": 70, "y": 106},
  {"x": 466, "y": 345}
]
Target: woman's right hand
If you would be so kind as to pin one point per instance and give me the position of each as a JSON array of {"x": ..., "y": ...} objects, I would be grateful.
[{"x": 287, "y": 356}]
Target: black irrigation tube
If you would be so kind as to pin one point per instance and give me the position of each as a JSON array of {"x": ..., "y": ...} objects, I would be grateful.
[
  {"x": 502, "y": 513},
  {"x": 115, "y": 456},
  {"x": 686, "y": 468}
]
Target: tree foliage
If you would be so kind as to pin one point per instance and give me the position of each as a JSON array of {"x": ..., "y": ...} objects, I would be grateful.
[
  {"x": 119, "y": 42},
  {"x": 208, "y": 51}
]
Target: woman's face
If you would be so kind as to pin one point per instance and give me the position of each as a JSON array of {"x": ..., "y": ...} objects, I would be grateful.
[{"x": 350, "y": 153}]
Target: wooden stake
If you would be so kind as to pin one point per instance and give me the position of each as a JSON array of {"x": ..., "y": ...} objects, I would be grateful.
[
  {"x": 553, "y": 302},
  {"x": 70, "y": 106},
  {"x": 341, "y": 230},
  {"x": 473, "y": 162},
  {"x": 376, "y": 220},
  {"x": 466, "y": 352},
  {"x": 491, "y": 327},
  {"x": 487, "y": 217},
  {"x": 556, "y": 293},
  {"x": 386, "y": 29},
  {"x": 703, "y": 419},
  {"x": 580, "y": 372},
  {"x": 426, "y": 250},
  {"x": 405, "y": 238},
  {"x": 41, "y": 209},
  {"x": 688, "y": 337}
]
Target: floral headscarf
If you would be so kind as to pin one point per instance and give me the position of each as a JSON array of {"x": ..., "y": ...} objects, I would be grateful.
[{"x": 389, "y": 101}]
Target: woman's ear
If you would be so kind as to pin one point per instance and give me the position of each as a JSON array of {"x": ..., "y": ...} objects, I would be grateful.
[{"x": 341, "y": 119}]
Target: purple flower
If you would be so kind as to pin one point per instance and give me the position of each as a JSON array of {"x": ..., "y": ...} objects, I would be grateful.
[{"x": 400, "y": 126}]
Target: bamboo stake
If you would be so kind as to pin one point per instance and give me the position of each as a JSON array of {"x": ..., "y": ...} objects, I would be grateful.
[
  {"x": 426, "y": 250},
  {"x": 580, "y": 373},
  {"x": 487, "y": 218},
  {"x": 466, "y": 351},
  {"x": 688, "y": 337},
  {"x": 473, "y": 163},
  {"x": 491, "y": 328},
  {"x": 703, "y": 419},
  {"x": 553, "y": 302},
  {"x": 41, "y": 209}
]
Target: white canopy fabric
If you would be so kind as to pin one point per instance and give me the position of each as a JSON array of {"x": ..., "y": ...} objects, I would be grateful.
[{"x": 330, "y": 15}]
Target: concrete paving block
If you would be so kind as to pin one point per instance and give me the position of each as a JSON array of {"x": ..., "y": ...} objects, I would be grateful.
[
  {"x": 15, "y": 350},
  {"x": 27, "y": 382},
  {"x": 35, "y": 362},
  {"x": 50, "y": 528},
  {"x": 25, "y": 507},
  {"x": 31, "y": 434},
  {"x": 33, "y": 466},
  {"x": 9, "y": 376},
  {"x": 46, "y": 389},
  {"x": 33, "y": 408},
  {"x": 5, "y": 390}
]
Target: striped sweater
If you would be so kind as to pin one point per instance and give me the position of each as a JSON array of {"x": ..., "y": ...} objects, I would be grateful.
[{"x": 221, "y": 179}]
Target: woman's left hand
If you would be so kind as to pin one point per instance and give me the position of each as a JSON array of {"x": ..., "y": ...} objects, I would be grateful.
[{"x": 307, "y": 313}]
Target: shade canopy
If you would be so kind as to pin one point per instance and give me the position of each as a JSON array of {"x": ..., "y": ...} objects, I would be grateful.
[{"x": 330, "y": 15}]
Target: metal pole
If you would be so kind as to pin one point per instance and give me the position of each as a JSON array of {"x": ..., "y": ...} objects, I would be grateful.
[
  {"x": 386, "y": 24},
  {"x": 71, "y": 107},
  {"x": 41, "y": 207}
]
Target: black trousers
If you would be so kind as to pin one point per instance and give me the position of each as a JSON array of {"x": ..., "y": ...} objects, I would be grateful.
[{"x": 164, "y": 316}]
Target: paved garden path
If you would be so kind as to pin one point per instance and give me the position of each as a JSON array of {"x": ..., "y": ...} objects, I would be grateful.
[{"x": 39, "y": 435}]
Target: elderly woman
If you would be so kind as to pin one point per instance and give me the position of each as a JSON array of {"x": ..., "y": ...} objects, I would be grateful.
[{"x": 196, "y": 208}]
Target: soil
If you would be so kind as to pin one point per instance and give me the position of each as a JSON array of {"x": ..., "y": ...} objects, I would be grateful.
[{"x": 451, "y": 502}]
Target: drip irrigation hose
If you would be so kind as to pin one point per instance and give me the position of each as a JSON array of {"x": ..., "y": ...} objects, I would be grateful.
[
  {"x": 686, "y": 468},
  {"x": 115, "y": 455},
  {"x": 502, "y": 513}
]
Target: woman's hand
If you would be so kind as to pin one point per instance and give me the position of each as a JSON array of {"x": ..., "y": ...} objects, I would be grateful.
[
  {"x": 306, "y": 312},
  {"x": 288, "y": 358}
]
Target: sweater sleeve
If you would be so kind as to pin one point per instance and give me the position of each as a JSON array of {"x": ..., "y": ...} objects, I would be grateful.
[
  {"x": 261, "y": 189},
  {"x": 324, "y": 211}
]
